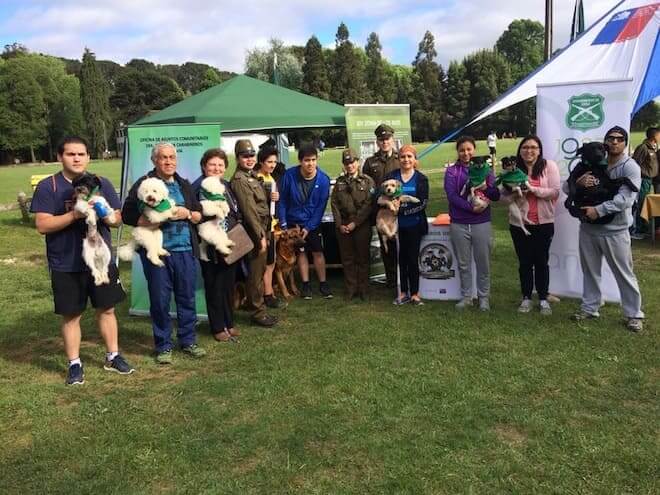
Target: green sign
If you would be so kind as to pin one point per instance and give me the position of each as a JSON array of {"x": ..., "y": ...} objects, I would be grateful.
[
  {"x": 190, "y": 141},
  {"x": 362, "y": 120},
  {"x": 585, "y": 112}
]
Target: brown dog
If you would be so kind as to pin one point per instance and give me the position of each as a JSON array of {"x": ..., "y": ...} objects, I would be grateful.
[
  {"x": 389, "y": 202},
  {"x": 287, "y": 243}
]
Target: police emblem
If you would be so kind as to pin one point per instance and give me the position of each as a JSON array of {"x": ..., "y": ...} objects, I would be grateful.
[{"x": 585, "y": 112}]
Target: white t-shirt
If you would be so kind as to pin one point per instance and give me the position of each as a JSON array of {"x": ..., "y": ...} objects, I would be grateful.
[{"x": 491, "y": 140}]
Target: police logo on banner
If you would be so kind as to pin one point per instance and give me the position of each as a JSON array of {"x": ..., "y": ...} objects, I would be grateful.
[{"x": 585, "y": 112}]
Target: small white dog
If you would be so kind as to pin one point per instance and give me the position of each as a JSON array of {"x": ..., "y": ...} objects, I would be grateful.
[
  {"x": 214, "y": 205},
  {"x": 386, "y": 218},
  {"x": 158, "y": 207},
  {"x": 95, "y": 251}
]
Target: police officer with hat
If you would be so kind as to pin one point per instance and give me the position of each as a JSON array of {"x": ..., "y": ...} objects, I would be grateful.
[
  {"x": 384, "y": 161},
  {"x": 352, "y": 203},
  {"x": 254, "y": 205}
]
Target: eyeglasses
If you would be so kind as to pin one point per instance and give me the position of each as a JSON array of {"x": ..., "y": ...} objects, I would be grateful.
[
  {"x": 529, "y": 148},
  {"x": 247, "y": 155},
  {"x": 615, "y": 139}
]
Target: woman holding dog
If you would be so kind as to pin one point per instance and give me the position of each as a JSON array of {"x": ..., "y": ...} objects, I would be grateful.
[
  {"x": 412, "y": 223},
  {"x": 470, "y": 230},
  {"x": 540, "y": 197},
  {"x": 219, "y": 277},
  {"x": 352, "y": 203}
]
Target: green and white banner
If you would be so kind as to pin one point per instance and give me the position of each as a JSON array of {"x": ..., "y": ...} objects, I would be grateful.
[
  {"x": 191, "y": 141},
  {"x": 568, "y": 115},
  {"x": 362, "y": 120}
]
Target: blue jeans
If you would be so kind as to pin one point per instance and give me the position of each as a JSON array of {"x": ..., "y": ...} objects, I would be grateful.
[{"x": 178, "y": 276}]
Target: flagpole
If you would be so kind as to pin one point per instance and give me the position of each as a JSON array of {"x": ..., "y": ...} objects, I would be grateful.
[{"x": 548, "y": 30}]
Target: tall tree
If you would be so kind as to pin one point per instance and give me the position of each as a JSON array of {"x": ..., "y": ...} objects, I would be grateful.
[
  {"x": 489, "y": 76},
  {"x": 315, "y": 74},
  {"x": 138, "y": 92},
  {"x": 522, "y": 46},
  {"x": 95, "y": 103},
  {"x": 379, "y": 81},
  {"x": 426, "y": 102},
  {"x": 348, "y": 84},
  {"x": 23, "y": 123},
  {"x": 458, "y": 91},
  {"x": 261, "y": 64}
]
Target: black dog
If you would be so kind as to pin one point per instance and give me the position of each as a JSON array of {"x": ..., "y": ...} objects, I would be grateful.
[{"x": 593, "y": 159}]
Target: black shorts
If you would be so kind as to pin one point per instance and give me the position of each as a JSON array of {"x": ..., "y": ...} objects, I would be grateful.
[
  {"x": 72, "y": 289},
  {"x": 492, "y": 150},
  {"x": 270, "y": 250},
  {"x": 314, "y": 241}
]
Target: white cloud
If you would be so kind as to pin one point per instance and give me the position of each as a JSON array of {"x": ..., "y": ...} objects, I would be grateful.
[{"x": 220, "y": 33}]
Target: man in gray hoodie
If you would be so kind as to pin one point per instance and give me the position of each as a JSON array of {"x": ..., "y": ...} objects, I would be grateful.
[{"x": 611, "y": 240}]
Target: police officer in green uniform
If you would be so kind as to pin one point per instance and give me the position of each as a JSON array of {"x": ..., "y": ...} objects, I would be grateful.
[
  {"x": 254, "y": 205},
  {"x": 385, "y": 160},
  {"x": 352, "y": 203}
]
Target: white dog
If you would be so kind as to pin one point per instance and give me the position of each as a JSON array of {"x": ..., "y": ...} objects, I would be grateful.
[
  {"x": 214, "y": 205},
  {"x": 95, "y": 251},
  {"x": 157, "y": 207}
]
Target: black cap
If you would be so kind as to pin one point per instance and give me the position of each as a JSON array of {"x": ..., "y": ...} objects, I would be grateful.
[
  {"x": 384, "y": 131},
  {"x": 348, "y": 156},
  {"x": 618, "y": 130}
]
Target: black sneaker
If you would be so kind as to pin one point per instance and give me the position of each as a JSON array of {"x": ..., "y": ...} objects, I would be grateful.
[
  {"x": 273, "y": 302},
  {"x": 75, "y": 375},
  {"x": 324, "y": 289},
  {"x": 306, "y": 291},
  {"x": 119, "y": 365}
]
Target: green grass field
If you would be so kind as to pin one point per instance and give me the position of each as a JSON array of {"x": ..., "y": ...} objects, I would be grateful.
[{"x": 339, "y": 398}]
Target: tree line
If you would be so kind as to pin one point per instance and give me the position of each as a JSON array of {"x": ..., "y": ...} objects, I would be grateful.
[{"x": 43, "y": 98}]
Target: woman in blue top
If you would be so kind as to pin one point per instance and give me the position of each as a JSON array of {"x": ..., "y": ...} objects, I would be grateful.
[{"x": 412, "y": 223}]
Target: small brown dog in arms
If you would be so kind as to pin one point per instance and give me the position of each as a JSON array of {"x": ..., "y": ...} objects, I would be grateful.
[
  {"x": 287, "y": 245},
  {"x": 389, "y": 202}
]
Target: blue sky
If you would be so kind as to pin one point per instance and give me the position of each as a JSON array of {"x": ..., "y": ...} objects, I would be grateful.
[{"x": 220, "y": 32}]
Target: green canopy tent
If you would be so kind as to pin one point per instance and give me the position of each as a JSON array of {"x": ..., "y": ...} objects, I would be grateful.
[{"x": 244, "y": 104}]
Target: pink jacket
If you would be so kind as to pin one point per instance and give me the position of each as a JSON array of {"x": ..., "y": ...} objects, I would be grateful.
[{"x": 547, "y": 194}]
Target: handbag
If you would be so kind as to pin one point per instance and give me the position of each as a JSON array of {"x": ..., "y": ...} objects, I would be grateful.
[{"x": 242, "y": 243}]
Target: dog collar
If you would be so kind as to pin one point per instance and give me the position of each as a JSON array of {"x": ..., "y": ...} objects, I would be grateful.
[
  {"x": 397, "y": 192},
  {"x": 164, "y": 205},
  {"x": 213, "y": 197},
  {"x": 92, "y": 193}
]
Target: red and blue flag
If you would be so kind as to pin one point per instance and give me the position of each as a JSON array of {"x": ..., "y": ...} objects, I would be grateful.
[{"x": 626, "y": 25}]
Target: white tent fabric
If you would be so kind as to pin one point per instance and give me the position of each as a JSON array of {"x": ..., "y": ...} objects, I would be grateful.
[{"x": 623, "y": 44}]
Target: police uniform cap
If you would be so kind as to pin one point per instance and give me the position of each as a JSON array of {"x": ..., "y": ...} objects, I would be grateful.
[
  {"x": 244, "y": 147},
  {"x": 384, "y": 131},
  {"x": 348, "y": 156}
]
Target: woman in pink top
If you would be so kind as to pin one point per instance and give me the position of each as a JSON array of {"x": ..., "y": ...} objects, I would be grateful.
[{"x": 539, "y": 216}]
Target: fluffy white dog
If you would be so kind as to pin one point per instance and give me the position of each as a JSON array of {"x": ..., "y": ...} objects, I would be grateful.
[
  {"x": 157, "y": 207},
  {"x": 95, "y": 251},
  {"x": 214, "y": 205}
]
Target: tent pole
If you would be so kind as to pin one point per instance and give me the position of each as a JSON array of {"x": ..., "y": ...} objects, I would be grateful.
[{"x": 548, "y": 30}]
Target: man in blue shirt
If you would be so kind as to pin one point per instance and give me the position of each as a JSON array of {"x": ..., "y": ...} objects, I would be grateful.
[
  {"x": 304, "y": 193},
  {"x": 179, "y": 273},
  {"x": 71, "y": 280}
]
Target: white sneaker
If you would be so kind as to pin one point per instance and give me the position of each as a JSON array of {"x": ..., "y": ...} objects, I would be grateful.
[
  {"x": 484, "y": 304},
  {"x": 546, "y": 310},
  {"x": 525, "y": 306},
  {"x": 466, "y": 302}
]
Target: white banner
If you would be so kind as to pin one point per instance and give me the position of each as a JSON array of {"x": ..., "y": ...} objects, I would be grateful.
[
  {"x": 568, "y": 115},
  {"x": 438, "y": 267}
]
